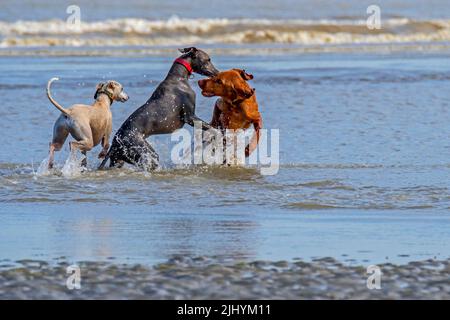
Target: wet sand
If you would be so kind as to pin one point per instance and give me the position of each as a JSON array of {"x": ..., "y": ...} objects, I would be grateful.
[{"x": 184, "y": 277}]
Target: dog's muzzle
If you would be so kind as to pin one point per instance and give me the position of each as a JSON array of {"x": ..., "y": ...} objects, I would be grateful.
[{"x": 123, "y": 97}]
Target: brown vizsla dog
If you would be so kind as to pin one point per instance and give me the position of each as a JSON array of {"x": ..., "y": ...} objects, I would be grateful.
[
  {"x": 237, "y": 107},
  {"x": 88, "y": 125}
]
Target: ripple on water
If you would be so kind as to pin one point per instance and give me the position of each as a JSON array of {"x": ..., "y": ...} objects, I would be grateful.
[
  {"x": 310, "y": 206},
  {"x": 296, "y": 187}
]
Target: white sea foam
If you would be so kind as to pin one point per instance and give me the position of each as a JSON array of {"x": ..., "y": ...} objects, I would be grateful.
[{"x": 142, "y": 32}]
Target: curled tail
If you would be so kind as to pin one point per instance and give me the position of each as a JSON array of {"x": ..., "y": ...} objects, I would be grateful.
[{"x": 56, "y": 104}]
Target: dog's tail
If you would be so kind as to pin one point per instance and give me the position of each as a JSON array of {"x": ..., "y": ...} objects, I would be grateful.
[
  {"x": 255, "y": 138},
  {"x": 56, "y": 104}
]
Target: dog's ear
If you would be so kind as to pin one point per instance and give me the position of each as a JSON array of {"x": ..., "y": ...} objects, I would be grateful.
[
  {"x": 246, "y": 76},
  {"x": 188, "y": 50},
  {"x": 244, "y": 92},
  {"x": 111, "y": 87},
  {"x": 97, "y": 88},
  {"x": 251, "y": 92}
]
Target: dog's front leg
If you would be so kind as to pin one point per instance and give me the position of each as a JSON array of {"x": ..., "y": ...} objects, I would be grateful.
[
  {"x": 215, "y": 121},
  {"x": 191, "y": 119},
  {"x": 105, "y": 147}
]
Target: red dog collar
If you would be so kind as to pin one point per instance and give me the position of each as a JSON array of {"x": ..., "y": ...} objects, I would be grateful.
[{"x": 185, "y": 64}]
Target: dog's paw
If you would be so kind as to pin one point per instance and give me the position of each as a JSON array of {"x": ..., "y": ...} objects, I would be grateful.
[{"x": 102, "y": 154}]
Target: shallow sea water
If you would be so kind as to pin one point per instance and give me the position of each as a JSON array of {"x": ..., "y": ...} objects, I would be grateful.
[{"x": 364, "y": 169}]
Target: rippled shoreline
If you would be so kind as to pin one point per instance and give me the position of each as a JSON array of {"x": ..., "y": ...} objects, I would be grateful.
[{"x": 184, "y": 277}]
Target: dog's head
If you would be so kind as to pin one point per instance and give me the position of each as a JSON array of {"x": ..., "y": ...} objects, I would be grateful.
[
  {"x": 200, "y": 61},
  {"x": 113, "y": 89},
  {"x": 231, "y": 85}
]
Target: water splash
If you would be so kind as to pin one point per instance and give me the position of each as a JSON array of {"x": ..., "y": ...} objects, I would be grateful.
[
  {"x": 43, "y": 169},
  {"x": 73, "y": 166},
  {"x": 149, "y": 162}
]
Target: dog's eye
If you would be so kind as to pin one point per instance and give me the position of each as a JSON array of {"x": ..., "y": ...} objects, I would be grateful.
[{"x": 218, "y": 81}]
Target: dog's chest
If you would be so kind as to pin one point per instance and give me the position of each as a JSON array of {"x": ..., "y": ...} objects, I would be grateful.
[{"x": 233, "y": 117}]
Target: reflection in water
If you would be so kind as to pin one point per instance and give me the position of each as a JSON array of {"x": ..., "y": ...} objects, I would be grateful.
[
  {"x": 228, "y": 238},
  {"x": 86, "y": 237},
  {"x": 83, "y": 233}
]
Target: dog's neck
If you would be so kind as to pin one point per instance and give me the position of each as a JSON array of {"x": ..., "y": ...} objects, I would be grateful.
[
  {"x": 180, "y": 71},
  {"x": 103, "y": 100}
]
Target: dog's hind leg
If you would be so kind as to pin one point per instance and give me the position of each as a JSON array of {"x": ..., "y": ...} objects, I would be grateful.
[
  {"x": 60, "y": 133},
  {"x": 83, "y": 136},
  {"x": 84, "y": 161},
  {"x": 114, "y": 161},
  {"x": 84, "y": 146},
  {"x": 149, "y": 158},
  {"x": 51, "y": 154},
  {"x": 143, "y": 155}
]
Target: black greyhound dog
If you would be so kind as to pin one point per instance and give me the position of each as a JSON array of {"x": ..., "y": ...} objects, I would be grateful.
[{"x": 171, "y": 105}]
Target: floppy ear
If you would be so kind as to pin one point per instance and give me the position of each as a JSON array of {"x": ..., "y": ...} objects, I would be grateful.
[
  {"x": 97, "y": 88},
  {"x": 188, "y": 50},
  {"x": 246, "y": 76},
  {"x": 111, "y": 87},
  {"x": 244, "y": 92}
]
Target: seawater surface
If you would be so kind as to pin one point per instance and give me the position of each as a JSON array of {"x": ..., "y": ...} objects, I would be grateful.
[{"x": 364, "y": 165}]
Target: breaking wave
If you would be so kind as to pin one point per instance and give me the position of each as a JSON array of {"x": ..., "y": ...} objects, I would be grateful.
[{"x": 177, "y": 31}]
